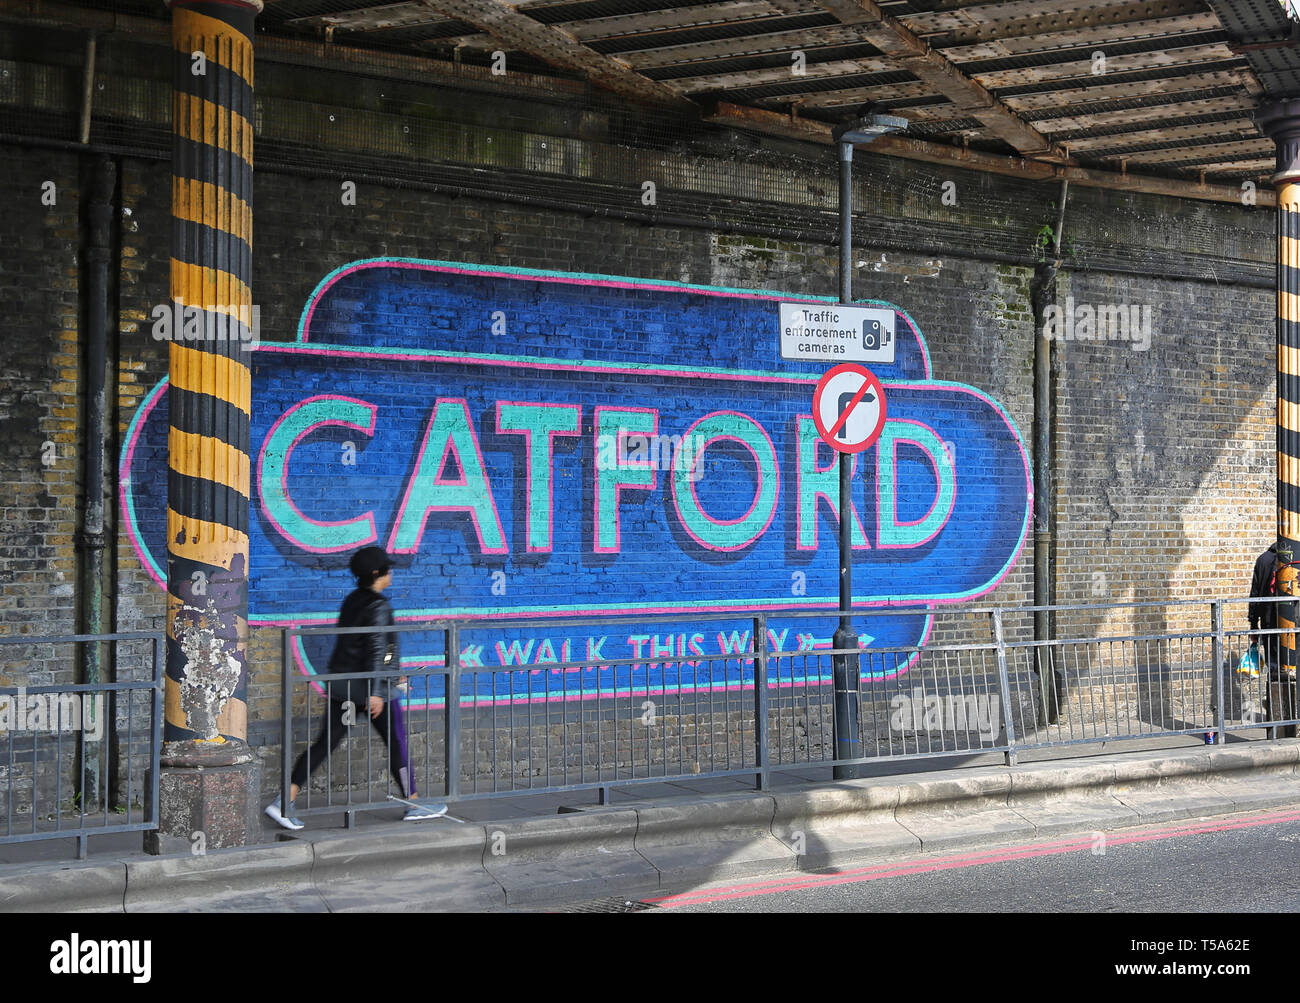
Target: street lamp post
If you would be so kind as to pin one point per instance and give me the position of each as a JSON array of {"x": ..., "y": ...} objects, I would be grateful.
[{"x": 844, "y": 666}]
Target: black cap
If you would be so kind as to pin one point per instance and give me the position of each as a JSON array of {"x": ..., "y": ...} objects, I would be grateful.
[{"x": 366, "y": 561}]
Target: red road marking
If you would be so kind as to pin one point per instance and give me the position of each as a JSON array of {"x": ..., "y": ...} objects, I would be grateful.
[{"x": 953, "y": 862}]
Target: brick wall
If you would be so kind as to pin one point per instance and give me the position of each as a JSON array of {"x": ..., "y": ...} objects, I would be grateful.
[
  {"x": 1166, "y": 474},
  {"x": 1163, "y": 457},
  {"x": 40, "y": 406}
]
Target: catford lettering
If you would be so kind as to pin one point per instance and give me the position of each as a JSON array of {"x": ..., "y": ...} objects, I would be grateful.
[{"x": 450, "y": 442}]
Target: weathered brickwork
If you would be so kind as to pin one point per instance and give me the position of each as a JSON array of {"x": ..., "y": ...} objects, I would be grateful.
[
  {"x": 1163, "y": 456},
  {"x": 1165, "y": 461},
  {"x": 143, "y": 280},
  {"x": 40, "y": 406}
]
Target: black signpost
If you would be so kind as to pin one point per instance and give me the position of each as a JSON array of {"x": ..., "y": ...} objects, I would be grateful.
[{"x": 844, "y": 665}]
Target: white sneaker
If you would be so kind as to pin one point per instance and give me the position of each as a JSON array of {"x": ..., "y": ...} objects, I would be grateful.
[
  {"x": 279, "y": 818},
  {"x": 419, "y": 813}
]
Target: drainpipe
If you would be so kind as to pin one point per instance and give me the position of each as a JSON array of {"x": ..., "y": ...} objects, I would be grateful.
[
  {"x": 87, "y": 90},
  {"x": 98, "y": 251},
  {"x": 1043, "y": 296}
]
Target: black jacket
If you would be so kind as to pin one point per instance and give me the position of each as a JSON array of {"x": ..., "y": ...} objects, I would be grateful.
[
  {"x": 1263, "y": 615},
  {"x": 364, "y": 652}
]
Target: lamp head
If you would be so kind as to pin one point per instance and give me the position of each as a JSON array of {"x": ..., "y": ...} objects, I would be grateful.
[{"x": 864, "y": 129}]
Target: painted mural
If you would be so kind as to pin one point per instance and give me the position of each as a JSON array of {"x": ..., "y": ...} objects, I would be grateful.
[{"x": 536, "y": 444}]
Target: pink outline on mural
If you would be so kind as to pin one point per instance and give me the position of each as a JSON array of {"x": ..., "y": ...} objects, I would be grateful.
[
  {"x": 155, "y": 395},
  {"x": 527, "y": 433},
  {"x": 520, "y": 275},
  {"x": 137, "y": 542},
  {"x": 938, "y": 490},
  {"x": 619, "y": 464},
  {"x": 448, "y": 446},
  {"x": 284, "y": 475},
  {"x": 758, "y": 486},
  {"x": 833, "y": 503},
  {"x": 922, "y": 385}
]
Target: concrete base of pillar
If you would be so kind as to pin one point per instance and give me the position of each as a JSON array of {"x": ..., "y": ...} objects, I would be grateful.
[{"x": 207, "y": 808}]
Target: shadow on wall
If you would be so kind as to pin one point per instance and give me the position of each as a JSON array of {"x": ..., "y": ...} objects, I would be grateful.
[{"x": 1160, "y": 433}]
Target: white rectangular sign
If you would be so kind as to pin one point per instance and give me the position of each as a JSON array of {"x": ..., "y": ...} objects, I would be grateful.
[{"x": 831, "y": 332}]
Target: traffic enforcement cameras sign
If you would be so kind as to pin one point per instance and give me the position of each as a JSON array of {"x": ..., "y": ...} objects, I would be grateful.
[{"x": 836, "y": 333}]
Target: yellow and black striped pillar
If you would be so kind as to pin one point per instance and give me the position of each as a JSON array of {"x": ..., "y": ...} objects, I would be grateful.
[
  {"x": 1281, "y": 122},
  {"x": 210, "y": 391}
]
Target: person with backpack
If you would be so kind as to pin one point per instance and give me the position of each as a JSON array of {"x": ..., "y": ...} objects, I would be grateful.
[
  {"x": 365, "y": 606},
  {"x": 1263, "y": 615}
]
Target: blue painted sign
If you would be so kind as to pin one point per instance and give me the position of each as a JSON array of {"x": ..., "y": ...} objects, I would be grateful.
[{"x": 545, "y": 444}]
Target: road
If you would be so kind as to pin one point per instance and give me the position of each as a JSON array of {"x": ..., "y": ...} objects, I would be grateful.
[{"x": 1236, "y": 863}]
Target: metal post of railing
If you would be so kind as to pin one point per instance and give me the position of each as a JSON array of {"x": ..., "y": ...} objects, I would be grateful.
[
  {"x": 451, "y": 711},
  {"x": 155, "y": 751},
  {"x": 760, "y": 701},
  {"x": 1216, "y": 625},
  {"x": 1049, "y": 693},
  {"x": 1005, "y": 685},
  {"x": 286, "y": 717}
]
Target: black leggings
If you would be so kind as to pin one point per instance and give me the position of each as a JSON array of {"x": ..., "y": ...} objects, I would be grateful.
[{"x": 333, "y": 731}]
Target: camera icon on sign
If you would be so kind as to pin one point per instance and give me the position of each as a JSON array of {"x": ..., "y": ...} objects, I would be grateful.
[{"x": 874, "y": 335}]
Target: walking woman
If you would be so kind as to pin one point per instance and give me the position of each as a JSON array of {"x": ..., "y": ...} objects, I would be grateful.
[{"x": 365, "y": 606}]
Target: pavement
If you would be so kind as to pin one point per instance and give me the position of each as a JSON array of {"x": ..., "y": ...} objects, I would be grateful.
[{"x": 551, "y": 851}]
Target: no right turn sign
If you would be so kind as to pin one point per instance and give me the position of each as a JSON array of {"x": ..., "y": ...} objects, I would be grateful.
[{"x": 849, "y": 408}]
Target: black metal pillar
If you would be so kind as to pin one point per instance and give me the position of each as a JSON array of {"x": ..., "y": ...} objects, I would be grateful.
[
  {"x": 1281, "y": 122},
  {"x": 844, "y": 666}
]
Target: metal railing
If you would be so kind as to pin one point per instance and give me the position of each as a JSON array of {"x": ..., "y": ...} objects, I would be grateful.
[
  {"x": 81, "y": 760},
  {"x": 561, "y": 724}
]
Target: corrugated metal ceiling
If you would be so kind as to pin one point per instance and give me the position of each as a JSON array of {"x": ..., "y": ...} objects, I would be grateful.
[{"x": 998, "y": 74}]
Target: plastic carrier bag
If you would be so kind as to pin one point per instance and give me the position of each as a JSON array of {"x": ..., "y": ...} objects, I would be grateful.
[{"x": 1250, "y": 662}]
